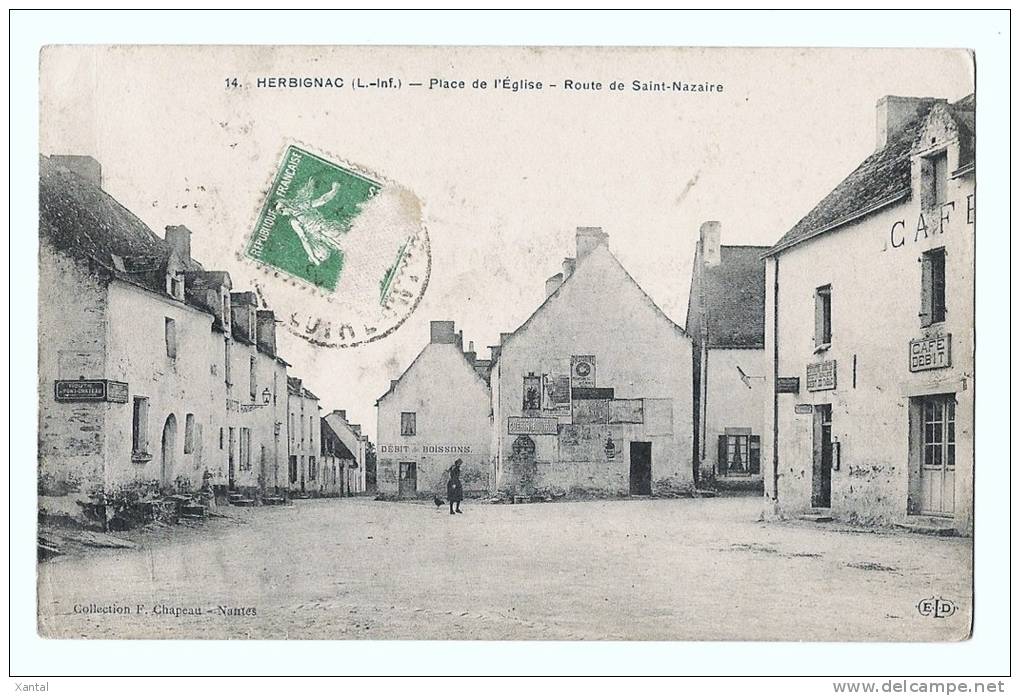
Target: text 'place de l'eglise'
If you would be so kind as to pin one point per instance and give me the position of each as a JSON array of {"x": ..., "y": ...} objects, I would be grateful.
[{"x": 831, "y": 371}]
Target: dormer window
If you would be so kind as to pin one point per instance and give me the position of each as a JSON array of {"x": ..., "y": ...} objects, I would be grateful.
[
  {"x": 175, "y": 285},
  {"x": 226, "y": 309},
  {"x": 251, "y": 324}
]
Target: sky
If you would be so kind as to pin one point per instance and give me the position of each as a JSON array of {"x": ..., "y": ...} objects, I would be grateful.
[{"x": 504, "y": 178}]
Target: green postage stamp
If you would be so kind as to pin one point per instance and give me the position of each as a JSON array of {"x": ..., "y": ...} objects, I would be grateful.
[{"x": 345, "y": 236}]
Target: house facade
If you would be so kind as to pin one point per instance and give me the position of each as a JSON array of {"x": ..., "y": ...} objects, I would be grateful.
[
  {"x": 872, "y": 418},
  {"x": 304, "y": 439},
  {"x": 356, "y": 443},
  {"x": 154, "y": 376},
  {"x": 577, "y": 410},
  {"x": 436, "y": 412},
  {"x": 726, "y": 322}
]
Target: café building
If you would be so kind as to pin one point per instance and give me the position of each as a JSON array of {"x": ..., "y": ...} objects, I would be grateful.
[{"x": 869, "y": 333}]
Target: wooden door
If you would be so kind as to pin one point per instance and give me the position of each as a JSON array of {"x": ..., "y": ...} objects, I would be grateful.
[
  {"x": 938, "y": 455},
  {"x": 408, "y": 480},
  {"x": 821, "y": 467}
]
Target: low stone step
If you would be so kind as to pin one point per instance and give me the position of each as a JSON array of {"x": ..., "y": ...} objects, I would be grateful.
[
  {"x": 274, "y": 500},
  {"x": 816, "y": 517},
  {"x": 929, "y": 526},
  {"x": 242, "y": 502},
  {"x": 193, "y": 511}
]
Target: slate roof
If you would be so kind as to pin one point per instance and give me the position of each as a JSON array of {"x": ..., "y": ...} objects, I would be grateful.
[
  {"x": 881, "y": 179},
  {"x": 82, "y": 220},
  {"x": 734, "y": 298},
  {"x": 330, "y": 436}
]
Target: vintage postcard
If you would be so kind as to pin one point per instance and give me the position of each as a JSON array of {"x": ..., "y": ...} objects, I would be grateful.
[{"x": 506, "y": 343}]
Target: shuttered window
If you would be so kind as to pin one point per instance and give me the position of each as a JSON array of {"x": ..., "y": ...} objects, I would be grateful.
[
  {"x": 933, "y": 287},
  {"x": 823, "y": 315}
]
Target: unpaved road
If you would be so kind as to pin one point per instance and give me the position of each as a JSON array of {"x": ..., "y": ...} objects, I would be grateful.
[{"x": 631, "y": 569}]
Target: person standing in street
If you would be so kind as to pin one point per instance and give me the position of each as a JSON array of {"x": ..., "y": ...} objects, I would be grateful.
[{"x": 454, "y": 488}]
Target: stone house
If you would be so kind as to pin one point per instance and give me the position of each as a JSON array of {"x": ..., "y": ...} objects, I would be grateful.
[
  {"x": 304, "y": 439},
  {"x": 726, "y": 322},
  {"x": 872, "y": 418},
  {"x": 592, "y": 394},
  {"x": 357, "y": 443},
  {"x": 436, "y": 412}
]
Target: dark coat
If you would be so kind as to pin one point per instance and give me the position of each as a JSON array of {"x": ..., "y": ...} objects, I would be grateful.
[{"x": 454, "y": 488}]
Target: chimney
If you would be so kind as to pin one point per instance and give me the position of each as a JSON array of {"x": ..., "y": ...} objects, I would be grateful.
[
  {"x": 179, "y": 239},
  {"x": 588, "y": 238},
  {"x": 88, "y": 168},
  {"x": 393, "y": 384},
  {"x": 470, "y": 353},
  {"x": 553, "y": 284},
  {"x": 442, "y": 332},
  {"x": 460, "y": 340},
  {"x": 568, "y": 267},
  {"x": 892, "y": 113},
  {"x": 493, "y": 353},
  {"x": 711, "y": 234},
  {"x": 341, "y": 412},
  {"x": 502, "y": 338},
  {"x": 265, "y": 333}
]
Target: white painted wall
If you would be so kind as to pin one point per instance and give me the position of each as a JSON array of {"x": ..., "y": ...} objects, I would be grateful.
[
  {"x": 451, "y": 403},
  {"x": 876, "y": 291},
  {"x": 639, "y": 352},
  {"x": 731, "y": 403}
]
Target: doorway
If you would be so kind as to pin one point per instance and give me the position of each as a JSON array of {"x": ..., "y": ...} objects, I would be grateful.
[
  {"x": 408, "y": 480},
  {"x": 821, "y": 466},
  {"x": 231, "y": 457},
  {"x": 641, "y": 468},
  {"x": 168, "y": 446},
  {"x": 938, "y": 455}
]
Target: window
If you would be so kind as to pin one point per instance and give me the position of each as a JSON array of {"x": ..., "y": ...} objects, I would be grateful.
[
  {"x": 532, "y": 392},
  {"x": 739, "y": 454},
  {"x": 292, "y": 468},
  {"x": 312, "y": 469},
  {"x": 189, "y": 433},
  {"x": 177, "y": 286},
  {"x": 933, "y": 287},
  {"x": 823, "y": 316},
  {"x": 226, "y": 361},
  {"x": 939, "y": 432},
  {"x": 408, "y": 423},
  {"x": 140, "y": 426},
  {"x": 251, "y": 325},
  {"x": 170, "y": 336},
  {"x": 936, "y": 174},
  {"x": 290, "y": 427},
  {"x": 221, "y": 438},
  {"x": 252, "y": 386},
  {"x": 226, "y": 309}
]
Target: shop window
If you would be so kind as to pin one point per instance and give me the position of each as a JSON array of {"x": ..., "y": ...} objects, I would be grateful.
[
  {"x": 189, "y": 433},
  {"x": 823, "y": 316},
  {"x": 933, "y": 287},
  {"x": 170, "y": 337},
  {"x": 408, "y": 423},
  {"x": 140, "y": 426}
]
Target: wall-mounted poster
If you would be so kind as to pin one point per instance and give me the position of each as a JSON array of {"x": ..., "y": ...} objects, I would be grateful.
[
  {"x": 532, "y": 393},
  {"x": 556, "y": 394},
  {"x": 582, "y": 370},
  {"x": 626, "y": 411}
]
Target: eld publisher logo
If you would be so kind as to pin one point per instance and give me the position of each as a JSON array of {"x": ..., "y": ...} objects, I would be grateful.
[{"x": 936, "y": 608}]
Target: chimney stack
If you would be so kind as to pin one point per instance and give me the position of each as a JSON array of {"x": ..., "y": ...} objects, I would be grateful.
[
  {"x": 711, "y": 238},
  {"x": 179, "y": 239},
  {"x": 892, "y": 113},
  {"x": 568, "y": 267},
  {"x": 470, "y": 353},
  {"x": 442, "y": 332},
  {"x": 242, "y": 312},
  {"x": 265, "y": 332},
  {"x": 588, "y": 238},
  {"x": 88, "y": 168},
  {"x": 553, "y": 284}
]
